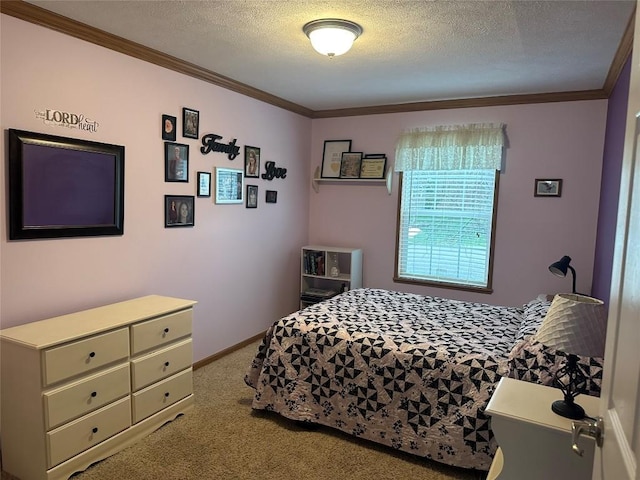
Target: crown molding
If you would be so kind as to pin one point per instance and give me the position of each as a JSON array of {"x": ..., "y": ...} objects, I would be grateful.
[
  {"x": 621, "y": 56},
  {"x": 464, "y": 103}
]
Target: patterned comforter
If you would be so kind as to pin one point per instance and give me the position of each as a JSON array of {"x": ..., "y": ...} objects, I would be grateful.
[{"x": 409, "y": 371}]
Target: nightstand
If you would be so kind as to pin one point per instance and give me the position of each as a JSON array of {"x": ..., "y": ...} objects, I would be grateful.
[{"x": 534, "y": 442}]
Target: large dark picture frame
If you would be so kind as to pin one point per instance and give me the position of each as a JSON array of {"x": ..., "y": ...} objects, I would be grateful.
[{"x": 64, "y": 187}]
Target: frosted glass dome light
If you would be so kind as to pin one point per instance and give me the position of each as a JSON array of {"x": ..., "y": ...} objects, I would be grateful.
[{"x": 332, "y": 37}]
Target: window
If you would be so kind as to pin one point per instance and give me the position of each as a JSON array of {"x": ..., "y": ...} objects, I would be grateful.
[
  {"x": 448, "y": 203},
  {"x": 445, "y": 227}
]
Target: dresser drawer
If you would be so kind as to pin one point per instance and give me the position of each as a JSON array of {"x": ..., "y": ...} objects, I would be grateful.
[
  {"x": 85, "y": 432},
  {"x": 162, "y": 394},
  {"x": 161, "y": 364},
  {"x": 81, "y": 397},
  {"x": 79, "y": 357},
  {"x": 159, "y": 331}
]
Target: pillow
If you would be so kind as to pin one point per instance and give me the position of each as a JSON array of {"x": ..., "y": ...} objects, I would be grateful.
[
  {"x": 532, "y": 316},
  {"x": 534, "y": 362}
]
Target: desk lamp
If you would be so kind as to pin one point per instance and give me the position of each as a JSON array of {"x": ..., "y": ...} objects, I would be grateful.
[{"x": 560, "y": 267}]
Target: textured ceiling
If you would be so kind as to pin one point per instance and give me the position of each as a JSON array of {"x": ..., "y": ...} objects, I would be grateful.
[{"x": 410, "y": 51}]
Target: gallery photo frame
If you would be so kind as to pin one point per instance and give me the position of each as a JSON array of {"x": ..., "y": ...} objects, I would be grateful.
[
  {"x": 204, "y": 184},
  {"x": 190, "y": 123},
  {"x": 332, "y": 157},
  {"x": 179, "y": 211},
  {"x": 252, "y": 196},
  {"x": 548, "y": 187},
  {"x": 169, "y": 125},
  {"x": 271, "y": 196},
  {"x": 251, "y": 161},
  {"x": 229, "y": 185},
  {"x": 176, "y": 162}
]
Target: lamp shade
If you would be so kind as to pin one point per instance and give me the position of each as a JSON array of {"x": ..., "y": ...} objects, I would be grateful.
[
  {"x": 574, "y": 324},
  {"x": 332, "y": 36},
  {"x": 560, "y": 267}
]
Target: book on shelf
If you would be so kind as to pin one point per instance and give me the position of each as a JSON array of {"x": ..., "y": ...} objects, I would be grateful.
[{"x": 314, "y": 263}]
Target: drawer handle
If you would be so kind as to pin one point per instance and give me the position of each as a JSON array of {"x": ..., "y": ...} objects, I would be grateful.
[
  {"x": 94, "y": 394},
  {"x": 92, "y": 354},
  {"x": 166, "y": 395},
  {"x": 94, "y": 429},
  {"x": 166, "y": 330},
  {"x": 166, "y": 364}
]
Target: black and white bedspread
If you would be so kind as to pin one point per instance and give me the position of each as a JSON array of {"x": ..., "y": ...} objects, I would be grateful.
[{"x": 408, "y": 371}]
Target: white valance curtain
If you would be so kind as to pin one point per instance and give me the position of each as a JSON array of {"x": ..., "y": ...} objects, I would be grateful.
[{"x": 451, "y": 147}]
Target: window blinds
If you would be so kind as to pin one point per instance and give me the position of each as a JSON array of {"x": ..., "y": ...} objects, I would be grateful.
[{"x": 446, "y": 226}]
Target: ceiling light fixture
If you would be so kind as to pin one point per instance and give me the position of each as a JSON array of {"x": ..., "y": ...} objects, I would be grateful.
[{"x": 332, "y": 36}]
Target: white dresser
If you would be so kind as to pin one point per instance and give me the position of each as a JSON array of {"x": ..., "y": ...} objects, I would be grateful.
[{"x": 80, "y": 387}]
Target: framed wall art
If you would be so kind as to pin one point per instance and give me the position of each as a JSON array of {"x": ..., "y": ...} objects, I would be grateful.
[
  {"x": 332, "y": 157},
  {"x": 179, "y": 211},
  {"x": 229, "y": 185},
  {"x": 64, "y": 187},
  {"x": 251, "y": 161},
  {"x": 169, "y": 128},
  {"x": 190, "y": 123},
  {"x": 271, "y": 196},
  {"x": 176, "y": 162},
  {"x": 548, "y": 187},
  {"x": 373, "y": 166},
  {"x": 252, "y": 196},
  {"x": 350, "y": 165},
  {"x": 204, "y": 184}
]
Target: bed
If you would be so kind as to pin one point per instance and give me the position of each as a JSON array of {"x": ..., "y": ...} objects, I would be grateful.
[{"x": 408, "y": 371}]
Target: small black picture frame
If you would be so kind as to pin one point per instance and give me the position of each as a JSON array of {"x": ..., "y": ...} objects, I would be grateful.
[
  {"x": 179, "y": 211},
  {"x": 169, "y": 128},
  {"x": 271, "y": 196},
  {"x": 190, "y": 123},
  {"x": 176, "y": 162},
  {"x": 548, "y": 187},
  {"x": 204, "y": 184},
  {"x": 252, "y": 196},
  {"x": 251, "y": 161}
]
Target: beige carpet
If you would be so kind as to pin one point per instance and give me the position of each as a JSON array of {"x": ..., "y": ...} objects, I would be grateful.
[{"x": 223, "y": 438}]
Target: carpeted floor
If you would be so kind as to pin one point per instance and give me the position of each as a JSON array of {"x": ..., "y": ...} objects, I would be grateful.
[{"x": 223, "y": 438}]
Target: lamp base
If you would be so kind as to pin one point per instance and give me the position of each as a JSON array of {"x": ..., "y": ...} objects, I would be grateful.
[{"x": 568, "y": 410}]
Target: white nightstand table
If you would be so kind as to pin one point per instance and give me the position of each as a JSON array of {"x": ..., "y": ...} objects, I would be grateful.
[{"x": 535, "y": 443}]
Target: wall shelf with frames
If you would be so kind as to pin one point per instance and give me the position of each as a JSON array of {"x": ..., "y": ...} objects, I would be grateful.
[{"x": 317, "y": 180}]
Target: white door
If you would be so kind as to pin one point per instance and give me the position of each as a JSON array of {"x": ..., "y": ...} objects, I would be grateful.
[{"x": 620, "y": 405}]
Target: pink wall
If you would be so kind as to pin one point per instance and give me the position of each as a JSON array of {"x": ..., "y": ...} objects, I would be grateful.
[
  {"x": 241, "y": 265},
  {"x": 556, "y": 140}
]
